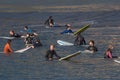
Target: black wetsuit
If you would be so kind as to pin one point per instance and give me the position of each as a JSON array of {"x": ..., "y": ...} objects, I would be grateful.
[
  {"x": 92, "y": 48},
  {"x": 79, "y": 40},
  {"x": 50, "y": 54},
  {"x": 15, "y": 35}
]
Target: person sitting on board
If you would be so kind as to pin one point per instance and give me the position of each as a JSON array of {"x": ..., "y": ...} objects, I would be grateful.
[
  {"x": 50, "y": 53},
  {"x": 28, "y": 40},
  {"x": 49, "y": 22},
  {"x": 92, "y": 47},
  {"x": 13, "y": 34},
  {"x": 68, "y": 29},
  {"x": 108, "y": 52},
  {"x": 7, "y": 48},
  {"x": 79, "y": 40}
]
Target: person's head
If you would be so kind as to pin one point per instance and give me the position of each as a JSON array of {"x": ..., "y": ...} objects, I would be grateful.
[
  {"x": 51, "y": 47},
  {"x": 91, "y": 43},
  {"x": 9, "y": 41},
  {"x": 110, "y": 46},
  {"x": 11, "y": 32},
  {"x": 50, "y": 17},
  {"x": 25, "y": 28}
]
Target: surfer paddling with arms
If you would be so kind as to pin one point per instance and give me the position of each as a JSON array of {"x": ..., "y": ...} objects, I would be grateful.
[
  {"x": 51, "y": 52},
  {"x": 108, "y": 52},
  {"x": 13, "y": 34},
  {"x": 7, "y": 48}
]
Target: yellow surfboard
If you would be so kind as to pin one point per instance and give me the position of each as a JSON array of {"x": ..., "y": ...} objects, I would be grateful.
[{"x": 82, "y": 29}]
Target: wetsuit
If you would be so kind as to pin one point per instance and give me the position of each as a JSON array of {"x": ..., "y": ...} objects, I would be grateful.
[
  {"x": 108, "y": 54},
  {"x": 7, "y": 49},
  {"x": 67, "y": 31},
  {"x": 79, "y": 40},
  {"x": 92, "y": 48},
  {"x": 50, "y": 54},
  {"x": 36, "y": 42},
  {"x": 49, "y": 22},
  {"x": 15, "y": 35},
  {"x": 29, "y": 41}
]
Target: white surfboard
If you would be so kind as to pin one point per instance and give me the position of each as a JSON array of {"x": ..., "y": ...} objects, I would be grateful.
[
  {"x": 7, "y": 37},
  {"x": 70, "y": 56},
  {"x": 64, "y": 43},
  {"x": 117, "y": 61},
  {"x": 21, "y": 50}
]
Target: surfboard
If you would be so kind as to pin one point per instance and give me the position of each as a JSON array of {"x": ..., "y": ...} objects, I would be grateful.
[
  {"x": 70, "y": 56},
  {"x": 21, "y": 50},
  {"x": 117, "y": 61},
  {"x": 7, "y": 37},
  {"x": 64, "y": 43},
  {"x": 82, "y": 29}
]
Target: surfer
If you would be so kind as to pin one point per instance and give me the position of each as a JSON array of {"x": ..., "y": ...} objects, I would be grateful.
[
  {"x": 28, "y": 40},
  {"x": 29, "y": 31},
  {"x": 13, "y": 34},
  {"x": 7, "y": 48},
  {"x": 91, "y": 46},
  {"x": 108, "y": 52},
  {"x": 79, "y": 40},
  {"x": 49, "y": 22},
  {"x": 68, "y": 29},
  {"x": 50, "y": 53},
  {"x": 36, "y": 42}
]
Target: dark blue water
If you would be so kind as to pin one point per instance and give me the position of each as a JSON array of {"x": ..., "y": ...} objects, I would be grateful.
[{"x": 31, "y": 65}]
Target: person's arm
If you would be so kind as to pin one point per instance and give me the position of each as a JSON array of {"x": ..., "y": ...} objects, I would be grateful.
[
  {"x": 56, "y": 55},
  {"x": 109, "y": 54},
  {"x": 10, "y": 49}
]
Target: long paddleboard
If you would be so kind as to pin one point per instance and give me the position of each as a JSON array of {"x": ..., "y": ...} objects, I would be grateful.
[
  {"x": 70, "y": 56},
  {"x": 7, "y": 37},
  {"x": 64, "y": 43},
  {"x": 82, "y": 29}
]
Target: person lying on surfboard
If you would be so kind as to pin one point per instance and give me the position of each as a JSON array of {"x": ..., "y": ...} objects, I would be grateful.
[
  {"x": 79, "y": 40},
  {"x": 91, "y": 46},
  {"x": 108, "y": 52},
  {"x": 68, "y": 29},
  {"x": 13, "y": 34},
  {"x": 50, "y": 53},
  {"x": 7, "y": 48},
  {"x": 49, "y": 22}
]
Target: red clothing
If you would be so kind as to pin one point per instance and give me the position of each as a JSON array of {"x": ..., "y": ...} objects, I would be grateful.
[{"x": 7, "y": 49}]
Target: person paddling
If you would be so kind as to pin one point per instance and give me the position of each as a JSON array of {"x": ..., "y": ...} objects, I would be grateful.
[
  {"x": 50, "y": 53},
  {"x": 7, "y": 48},
  {"x": 108, "y": 52},
  {"x": 13, "y": 34}
]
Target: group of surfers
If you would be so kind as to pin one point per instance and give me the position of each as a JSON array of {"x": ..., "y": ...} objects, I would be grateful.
[{"x": 31, "y": 39}]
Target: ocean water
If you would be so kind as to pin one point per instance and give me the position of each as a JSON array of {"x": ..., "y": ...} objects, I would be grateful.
[{"x": 31, "y": 65}]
